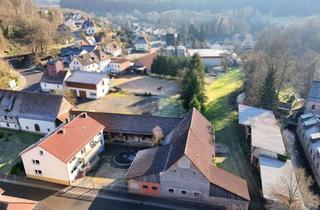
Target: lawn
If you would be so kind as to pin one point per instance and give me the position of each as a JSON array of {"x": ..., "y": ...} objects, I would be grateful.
[
  {"x": 221, "y": 110},
  {"x": 11, "y": 144}
]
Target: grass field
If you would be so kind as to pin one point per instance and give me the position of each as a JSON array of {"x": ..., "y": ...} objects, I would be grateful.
[
  {"x": 11, "y": 144},
  {"x": 221, "y": 110}
]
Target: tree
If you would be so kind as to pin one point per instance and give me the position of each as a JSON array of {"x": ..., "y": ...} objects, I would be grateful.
[
  {"x": 157, "y": 135},
  {"x": 268, "y": 91}
]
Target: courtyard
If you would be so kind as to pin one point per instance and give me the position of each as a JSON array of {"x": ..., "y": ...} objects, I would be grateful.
[{"x": 11, "y": 144}]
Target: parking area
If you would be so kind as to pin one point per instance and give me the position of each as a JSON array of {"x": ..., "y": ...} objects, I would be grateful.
[{"x": 146, "y": 85}]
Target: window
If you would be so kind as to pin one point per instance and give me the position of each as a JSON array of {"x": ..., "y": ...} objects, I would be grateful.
[
  {"x": 93, "y": 94},
  {"x": 196, "y": 194},
  {"x": 154, "y": 188},
  {"x": 38, "y": 172},
  {"x": 41, "y": 152},
  {"x": 36, "y": 127},
  {"x": 83, "y": 150},
  {"x": 48, "y": 129},
  {"x": 183, "y": 192},
  {"x": 171, "y": 190},
  {"x": 313, "y": 106},
  {"x": 8, "y": 125},
  {"x": 27, "y": 127},
  {"x": 36, "y": 162},
  {"x": 145, "y": 187}
]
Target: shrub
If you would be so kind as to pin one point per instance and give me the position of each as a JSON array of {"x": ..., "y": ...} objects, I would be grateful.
[{"x": 17, "y": 169}]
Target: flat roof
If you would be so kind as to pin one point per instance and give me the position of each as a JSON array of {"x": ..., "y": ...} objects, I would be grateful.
[
  {"x": 274, "y": 174},
  {"x": 267, "y": 136},
  {"x": 249, "y": 113}
]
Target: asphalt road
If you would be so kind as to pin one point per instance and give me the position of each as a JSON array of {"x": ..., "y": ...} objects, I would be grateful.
[
  {"x": 32, "y": 77},
  {"x": 83, "y": 199}
]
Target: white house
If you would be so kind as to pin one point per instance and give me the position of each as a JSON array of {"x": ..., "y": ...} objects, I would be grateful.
[
  {"x": 88, "y": 84},
  {"x": 96, "y": 61},
  {"x": 119, "y": 65},
  {"x": 113, "y": 48},
  {"x": 32, "y": 112},
  {"x": 89, "y": 28},
  {"x": 142, "y": 44},
  {"x": 66, "y": 153}
]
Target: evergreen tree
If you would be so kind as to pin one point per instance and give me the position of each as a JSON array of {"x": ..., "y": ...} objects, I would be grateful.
[{"x": 268, "y": 91}]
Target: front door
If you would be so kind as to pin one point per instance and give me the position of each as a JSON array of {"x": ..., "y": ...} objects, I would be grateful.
[{"x": 82, "y": 94}]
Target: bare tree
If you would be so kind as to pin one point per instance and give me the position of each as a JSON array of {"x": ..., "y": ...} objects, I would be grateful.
[{"x": 157, "y": 135}]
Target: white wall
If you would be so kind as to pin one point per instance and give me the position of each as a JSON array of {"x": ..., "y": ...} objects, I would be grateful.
[
  {"x": 141, "y": 47},
  {"x": 29, "y": 125},
  {"x": 50, "y": 166},
  {"x": 98, "y": 148},
  {"x": 100, "y": 91},
  {"x": 13, "y": 126},
  {"x": 51, "y": 88}
]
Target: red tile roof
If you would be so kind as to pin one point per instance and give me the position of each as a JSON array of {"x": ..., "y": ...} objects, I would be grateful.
[{"x": 70, "y": 138}]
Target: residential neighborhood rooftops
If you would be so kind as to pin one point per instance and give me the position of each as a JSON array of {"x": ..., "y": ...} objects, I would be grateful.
[
  {"x": 68, "y": 139},
  {"x": 147, "y": 60},
  {"x": 248, "y": 113},
  {"x": 86, "y": 77},
  {"x": 193, "y": 138},
  {"x": 138, "y": 124},
  {"x": 314, "y": 93},
  {"x": 32, "y": 105},
  {"x": 119, "y": 60},
  {"x": 14, "y": 203}
]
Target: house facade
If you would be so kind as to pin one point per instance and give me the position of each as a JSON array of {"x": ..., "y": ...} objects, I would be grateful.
[
  {"x": 65, "y": 154},
  {"x": 308, "y": 131},
  {"x": 89, "y": 28},
  {"x": 119, "y": 65},
  {"x": 113, "y": 48},
  {"x": 88, "y": 84},
  {"x": 32, "y": 112},
  {"x": 182, "y": 168},
  {"x": 313, "y": 102},
  {"x": 96, "y": 61},
  {"x": 142, "y": 44}
]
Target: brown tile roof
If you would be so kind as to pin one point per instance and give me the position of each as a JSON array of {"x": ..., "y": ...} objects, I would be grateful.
[
  {"x": 58, "y": 79},
  {"x": 14, "y": 203},
  {"x": 67, "y": 140},
  {"x": 137, "y": 124},
  {"x": 147, "y": 60},
  {"x": 193, "y": 137},
  {"x": 113, "y": 45}
]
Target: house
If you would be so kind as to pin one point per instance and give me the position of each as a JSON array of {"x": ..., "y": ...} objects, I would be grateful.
[
  {"x": 89, "y": 28},
  {"x": 65, "y": 154},
  {"x": 182, "y": 168},
  {"x": 119, "y": 65},
  {"x": 15, "y": 203},
  {"x": 313, "y": 102},
  {"x": 68, "y": 53},
  {"x": 171, "y": 39},
  {"x": 113, "y": 48},
  {"x": 308, "y": 131},
  {"x": 143, "y": 64},
  {"x": 33, "y": 112},
  {"x": 53, "y": 78},
  {"x": 96, "y": 61},
  {"x": 268, "y": 153},
  {"x": 88, "y": 84},
  {"x": 131, "y": 130},
  {"x": 142, "y": 43},
  {"x": 210, "y": 57}
]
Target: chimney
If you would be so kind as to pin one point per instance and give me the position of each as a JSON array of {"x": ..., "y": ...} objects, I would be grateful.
[{"x": 54, "y": 67}]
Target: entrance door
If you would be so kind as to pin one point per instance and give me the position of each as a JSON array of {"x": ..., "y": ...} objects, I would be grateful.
[{"x": 82, "y": 94}]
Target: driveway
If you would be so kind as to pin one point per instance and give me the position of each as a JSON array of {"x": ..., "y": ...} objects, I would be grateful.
[{"x": 32, "y": 77}]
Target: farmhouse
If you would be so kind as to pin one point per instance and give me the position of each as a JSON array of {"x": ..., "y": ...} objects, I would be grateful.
[
  {"x": 142, "y": 43},
  {"x": 143, "y": 64},
  {"x": 66, "y": 153},
  {"x": 308, "y": 131},
  {"x": 182, "y": 168},
  {"x": 32, "y": 112},
  {"x": 210, "y": 57},
  {"x": 88, "y": 84},
  {"x": 53, "y": 78},
  {"x": 131, "y": 130}
]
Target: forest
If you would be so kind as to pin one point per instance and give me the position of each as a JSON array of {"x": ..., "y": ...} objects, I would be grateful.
[{"x": 280, "y": 8}]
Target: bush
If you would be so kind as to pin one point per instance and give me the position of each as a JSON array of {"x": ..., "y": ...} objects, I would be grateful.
[
  {"x": 2, "y": 135},
  {"x": 18, "y": 169}
]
